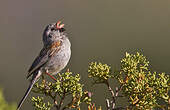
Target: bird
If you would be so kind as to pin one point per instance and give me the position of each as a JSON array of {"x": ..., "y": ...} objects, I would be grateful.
[{"x": 53, "y": 57}]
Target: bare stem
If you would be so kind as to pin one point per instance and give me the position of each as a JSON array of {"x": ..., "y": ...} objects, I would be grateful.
[
  {"x": 118, "y": 90},
  {"x": 111, "y": 104},
  {"x": 113, "y": 97},
  {"x": 107, "y": 104}
]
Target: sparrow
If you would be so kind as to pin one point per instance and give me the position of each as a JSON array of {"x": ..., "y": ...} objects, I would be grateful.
[{"x": 53, "y": 57}]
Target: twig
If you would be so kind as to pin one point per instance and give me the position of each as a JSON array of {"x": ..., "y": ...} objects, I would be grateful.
[
  {"x": 114, "y": 96},
  {"x": 107, "y": 104},
  {"x": 118, "y": 90}
]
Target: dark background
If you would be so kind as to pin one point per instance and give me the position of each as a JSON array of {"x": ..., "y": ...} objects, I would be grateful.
[{"x": 99, "y": 30}]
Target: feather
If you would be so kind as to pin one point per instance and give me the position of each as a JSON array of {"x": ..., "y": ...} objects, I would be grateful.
[{"x": 42, "y": 59}]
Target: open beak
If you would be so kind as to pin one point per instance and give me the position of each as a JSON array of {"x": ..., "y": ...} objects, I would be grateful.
[{"x": 59, "y": 25}]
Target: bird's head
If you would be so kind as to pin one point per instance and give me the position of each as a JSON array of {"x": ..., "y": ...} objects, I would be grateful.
[{"x": 53, "y": 32}]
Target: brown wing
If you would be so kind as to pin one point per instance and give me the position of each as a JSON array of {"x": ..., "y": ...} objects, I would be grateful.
[
  {"x": 43, "y": 57},
  {"x": 55, "y": 47}
]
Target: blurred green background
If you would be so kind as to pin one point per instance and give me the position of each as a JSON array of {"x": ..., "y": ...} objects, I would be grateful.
[{"x": 99, "y": 30}]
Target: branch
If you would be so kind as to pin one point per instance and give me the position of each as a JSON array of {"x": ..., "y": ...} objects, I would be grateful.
[
  {"x": 114, "y": 96},
  {"x": 107, "y": 104},
  {"x": 118, "y": 90}
]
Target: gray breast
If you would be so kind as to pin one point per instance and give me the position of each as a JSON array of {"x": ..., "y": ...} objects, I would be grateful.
[{"x": 60, "y": 59}]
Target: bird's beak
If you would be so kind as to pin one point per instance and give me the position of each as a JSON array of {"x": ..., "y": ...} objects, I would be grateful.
[{"x": 59, "y": 25}]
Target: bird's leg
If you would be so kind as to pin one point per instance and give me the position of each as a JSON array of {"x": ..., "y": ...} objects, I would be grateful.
[{"x": 50, "y": 75}]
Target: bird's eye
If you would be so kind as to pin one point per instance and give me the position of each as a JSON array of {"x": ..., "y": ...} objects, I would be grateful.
[
  {"x": 52, "y": 29},
  {"x": 50, "y": 36}
]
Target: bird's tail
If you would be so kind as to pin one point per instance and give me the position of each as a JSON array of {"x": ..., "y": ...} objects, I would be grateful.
[{"x": 33, "y": 81}]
